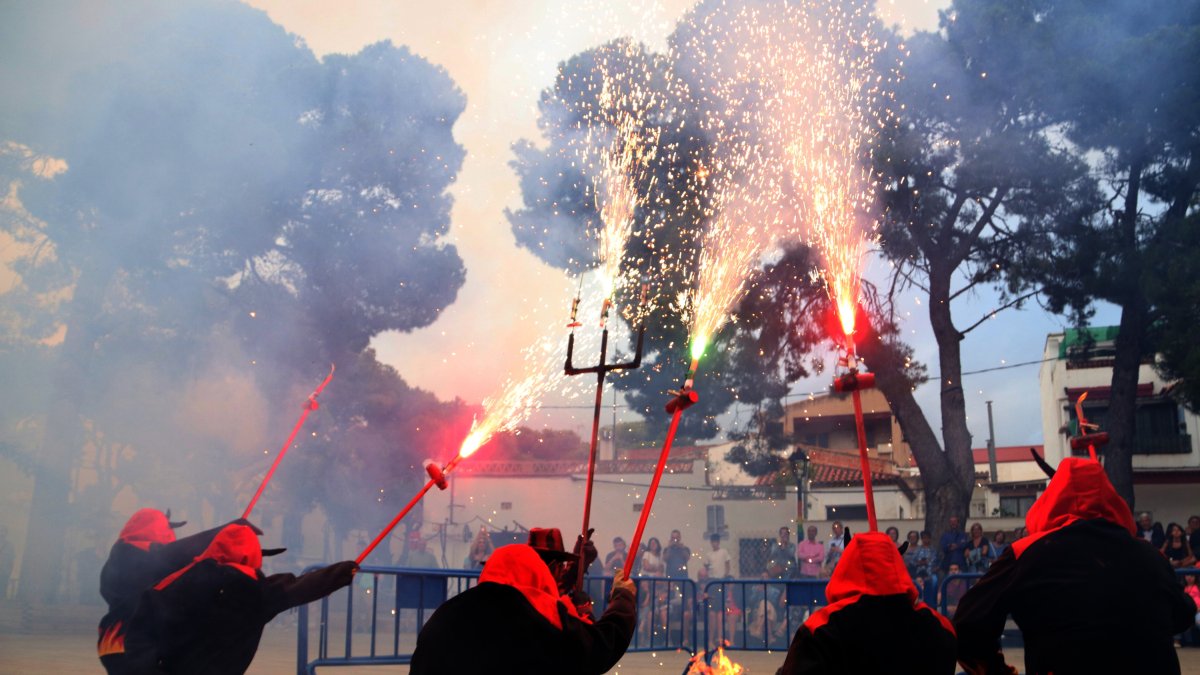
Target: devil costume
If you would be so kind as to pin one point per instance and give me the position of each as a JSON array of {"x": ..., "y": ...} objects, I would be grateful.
[
  {"x": 515, "y": 622},
  {"x": 208, "y": 617},
  {"x": 1088, "y": 596},
  {"x": 873, "y": 622},
  {"x": 145, "y": 552}
]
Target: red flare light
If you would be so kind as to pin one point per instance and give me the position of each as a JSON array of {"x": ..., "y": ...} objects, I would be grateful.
[{"x": 845, "y": 327}]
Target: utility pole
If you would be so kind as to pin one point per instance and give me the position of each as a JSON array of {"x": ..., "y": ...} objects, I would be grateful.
[{"x": 991, "y": 445}]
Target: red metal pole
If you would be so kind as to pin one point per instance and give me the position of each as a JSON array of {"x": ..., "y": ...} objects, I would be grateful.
[
  {"x": 683, "y": 400},
  {"x": 866, "y": 465},
  {"x": 309, "y": 406},
  {"x": 658, "y": 472},
  {"x": 395, "y": 521},
  {"x": 437, "y": 477},
  {"x": 591, "y": 475}
]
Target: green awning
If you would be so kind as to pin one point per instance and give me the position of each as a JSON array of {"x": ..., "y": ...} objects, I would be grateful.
[{"x": 1075, "y": 337}]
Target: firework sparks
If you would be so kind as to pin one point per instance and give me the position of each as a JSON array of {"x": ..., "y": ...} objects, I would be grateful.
[
  {"x": 742, "y": 182},
  {"x": 792, "y": 103},
  {"x": 623, "y": 177},
  {"x": 520, "y": 396},
  {"x": 829, "y": 113}
]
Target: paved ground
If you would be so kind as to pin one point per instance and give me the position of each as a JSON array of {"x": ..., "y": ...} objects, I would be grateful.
[{"x": 75, "y": 652}]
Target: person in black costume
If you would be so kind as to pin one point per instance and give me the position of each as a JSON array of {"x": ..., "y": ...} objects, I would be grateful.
[
  {"x": 208, "y": 617},
  {"x": 145, "y": 552},
  {"x": 564, "y": 567},
  {"x": 873, "y": 622},
  {"x": 516, "y": 622},
  {"x": 1088, "y": 596}
]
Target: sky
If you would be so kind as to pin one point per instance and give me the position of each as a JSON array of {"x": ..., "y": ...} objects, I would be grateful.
[{"x": 502, "y": 55}]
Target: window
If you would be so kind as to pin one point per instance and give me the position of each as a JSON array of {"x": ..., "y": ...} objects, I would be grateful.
[
  {"x": 716, "y": 520},
  {"x": 846, "y": 512},
  {"x": 1017, "y": 506},
  {"x": 752, "y": 557},
  {"x": 1157, "y": 428},
  {"x": 818, "y": 440},
  {"x": 506, "y": 506}
]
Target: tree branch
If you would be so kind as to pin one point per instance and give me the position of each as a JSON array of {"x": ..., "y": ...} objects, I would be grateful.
[
  {"x": 1015, "y": 301},
  {"x": 964, "y": 247}
]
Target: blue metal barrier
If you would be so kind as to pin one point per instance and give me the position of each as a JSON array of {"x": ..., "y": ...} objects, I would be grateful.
[
  {"x": 382, "y": 602},
  {"x": 758, "y": 615},
  {"x": 667, "y": 611},
  {"x": 393, "y": 602},
  {"x": 746, "y": 614},
  {"x": 951, "y": 589}
]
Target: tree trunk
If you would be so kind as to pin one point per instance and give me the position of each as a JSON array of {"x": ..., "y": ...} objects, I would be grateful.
[
  {"x": 42, "y": 563},
  {"x": 1131, "y": 337},
  {"x": 1122, "y": 404},
  {"x": 952, "y": 495},
  {"x": 944, "y": 496}
]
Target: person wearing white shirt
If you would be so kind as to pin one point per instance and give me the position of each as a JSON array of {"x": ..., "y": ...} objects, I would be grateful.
[{"x": 717, "y": 561}]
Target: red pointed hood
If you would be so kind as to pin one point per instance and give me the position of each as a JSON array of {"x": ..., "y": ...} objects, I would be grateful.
[
  {"x": 870, "y": 565},
  {"x": 1079, "y": 490},
  {"x": 519, "y": 566},
  {"x": 147, "y": 526},
  {"x": 235, "y": 546}
]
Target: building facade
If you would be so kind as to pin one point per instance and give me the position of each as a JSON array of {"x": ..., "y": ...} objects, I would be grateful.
[{"x": 1166, "y": 459}]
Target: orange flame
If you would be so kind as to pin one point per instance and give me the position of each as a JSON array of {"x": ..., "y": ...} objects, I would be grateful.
[
  {"x": 846, "y": 309},
  {"x": 112, "y": 641},
  {"x": 721, "y": 665}
]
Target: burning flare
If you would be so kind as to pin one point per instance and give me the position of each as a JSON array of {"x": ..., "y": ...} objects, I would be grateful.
[{"x": 721, "y": 665}]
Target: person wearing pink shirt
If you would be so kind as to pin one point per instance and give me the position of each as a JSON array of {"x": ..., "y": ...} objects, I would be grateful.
[{"x": 809, "y": 553}]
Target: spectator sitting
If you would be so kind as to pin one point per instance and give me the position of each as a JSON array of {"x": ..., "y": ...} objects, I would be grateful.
[
  {"x": 676, "y": 556},
  {"x": 1176, "y": 547},
  {"x": 1150, "y": 531},
  {"x": 955, "y": 589},
  {"x": 951, "y": 545},
  {"x": 810, "y": 553}
]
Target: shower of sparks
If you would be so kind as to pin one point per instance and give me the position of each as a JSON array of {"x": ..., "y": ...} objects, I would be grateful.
[
  {"x": 828, "y": 117},
  {"x": 620, "y": 150},
  {"x": 520, "y": 396},
  {"x": 730, "y": 61},
  {"x": 791, "y": 102}
]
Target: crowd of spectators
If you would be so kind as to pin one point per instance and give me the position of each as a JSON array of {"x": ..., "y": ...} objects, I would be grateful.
[{"x": 813, "y": 557}]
